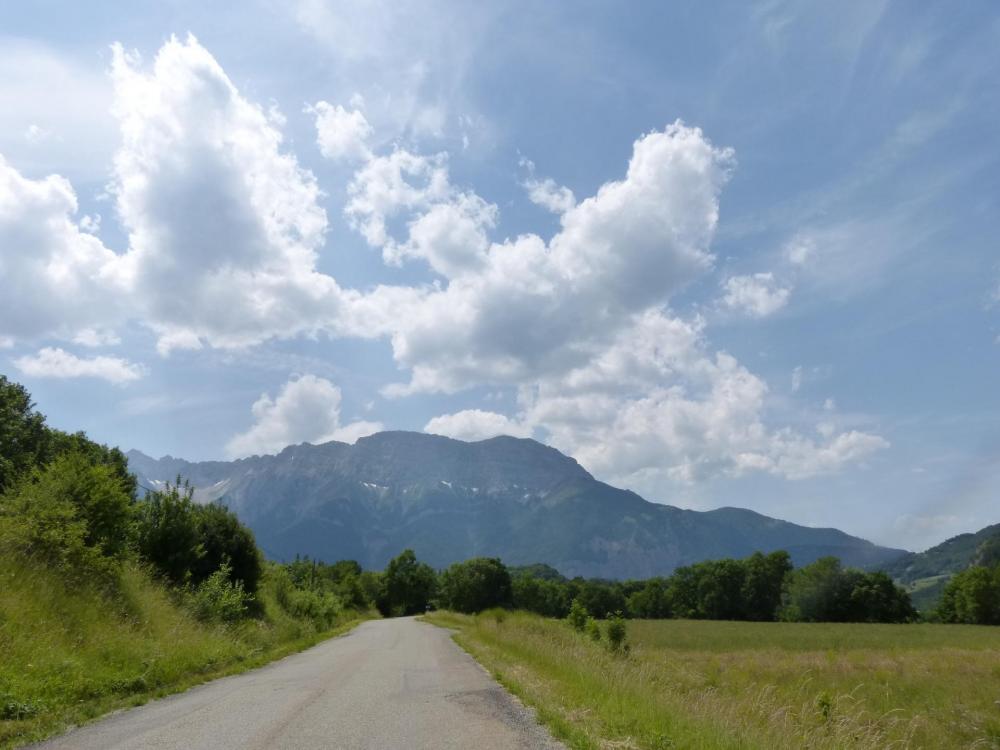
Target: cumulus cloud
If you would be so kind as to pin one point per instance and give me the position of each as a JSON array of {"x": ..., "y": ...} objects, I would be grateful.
[
  {"x": 58, "y": 363},
  {"x": 757, "y": 295},
  {"x": 56, "y": 278},
  {"x": 476, "y": 424},
  {"x": 657, "y": 405},
  {"x": 534, "y": 307},
  {"x": 341, "y": 133},
  {"x": 224, "y": 229},
  {"x": 224, "y": 225},
  {"x": 306, "y": 409}
]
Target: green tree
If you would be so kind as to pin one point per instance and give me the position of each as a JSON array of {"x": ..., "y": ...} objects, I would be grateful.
[
  {"x": 826, "y": 592},
  {"x": 23, "y": 434},
  {"x": 475, "y": 585},
  {"x": 225, "y": 542},
  {"x": 168, "y": 536},
  {"x": 652, "y": 601},
  {"x": 764, "y": 584},
  {"x": 546, "y": 597},
  {"x": 972, "y": 596},
  {"x": 409, "y": 585}
]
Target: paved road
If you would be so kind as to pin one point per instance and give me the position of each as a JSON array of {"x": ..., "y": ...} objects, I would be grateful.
[{"x": 387, "y": 684}]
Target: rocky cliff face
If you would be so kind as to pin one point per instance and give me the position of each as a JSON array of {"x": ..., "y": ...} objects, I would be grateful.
[{"x": 450, "y": 500}]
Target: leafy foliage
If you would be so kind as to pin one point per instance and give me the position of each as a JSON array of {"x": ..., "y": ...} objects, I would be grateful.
[
  {"x": 72, "y": 514},
  {"x": 168, "y": 535},
  {"x": 972, "y": 597},
  {"x": 577, "y": 616},
  {"x": 225, "y": 542},
  {"x": 476, "y": 584},
  {"x": 826, "y": 592},
  {"x": 219, "y": 599},
  {"x": 616, "y": 634},
  {"x": 409, "y": 585}
]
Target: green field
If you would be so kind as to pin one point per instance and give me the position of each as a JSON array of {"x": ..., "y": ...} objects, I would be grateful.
[
  {"x": 69, "y": 654},
  {"x": 700, "y": 684}
]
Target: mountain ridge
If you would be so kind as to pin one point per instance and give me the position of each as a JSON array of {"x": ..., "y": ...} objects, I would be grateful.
[{"x": 513, "y": 498}]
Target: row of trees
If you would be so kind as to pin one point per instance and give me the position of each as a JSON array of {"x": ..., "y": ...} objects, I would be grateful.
[{"x": 760, "y": 587}]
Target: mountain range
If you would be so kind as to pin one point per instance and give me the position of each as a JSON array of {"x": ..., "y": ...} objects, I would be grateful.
[{"x": 504, "y": 497}]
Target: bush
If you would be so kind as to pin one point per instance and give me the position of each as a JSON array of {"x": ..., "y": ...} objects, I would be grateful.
[
  {"x": 592, "y": 629},
  {"x": 616, "y": 634},
  {"x": 577, "y": 616},
  {"x": 218, "y": 599},
  {"x": 71, "y": 514}
]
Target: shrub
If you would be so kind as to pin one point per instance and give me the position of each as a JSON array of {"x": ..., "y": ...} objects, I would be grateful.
[
  {"x": 616, "y": 634},
  {"x": 218, "y": 599},
  {"x": 71, "y": 514},
  {"x": 577, "y": 616},
  {"x": 592, "y": 629}
]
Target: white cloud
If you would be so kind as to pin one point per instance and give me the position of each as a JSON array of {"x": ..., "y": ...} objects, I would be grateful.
[
  {"x": 57, "y": 363},
  {"x": 535, "y": 307},
  {"x": 224, "y": 226},
  {"x": 547, "y": 193},
  {"x": 341, "y": 134},
  {"x": 476, "y": 424},
  {"x": 757, "y": 295},
  {"x": 95, "y": 337},
  {"x": 799, "y": 249},
  {"x": 56, "y": 277},
  {"x": 657, "y": 406},
  {"x": 306, "y": 409}
]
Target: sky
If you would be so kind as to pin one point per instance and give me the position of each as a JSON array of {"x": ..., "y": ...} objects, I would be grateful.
[{"x": 723, "y": 254}]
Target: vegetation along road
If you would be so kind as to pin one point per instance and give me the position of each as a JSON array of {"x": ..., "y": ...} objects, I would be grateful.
[{"x": 395, "y": 683}]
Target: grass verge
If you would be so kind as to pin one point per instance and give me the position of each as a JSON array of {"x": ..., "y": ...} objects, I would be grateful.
[
  {"x": 69, "y": 655},
  {"x": 708, "y": 685}
]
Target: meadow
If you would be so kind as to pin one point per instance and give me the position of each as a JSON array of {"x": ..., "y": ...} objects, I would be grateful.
[
  {"x": 70, "y": 653},
  {"x": 709, "y": 684}
]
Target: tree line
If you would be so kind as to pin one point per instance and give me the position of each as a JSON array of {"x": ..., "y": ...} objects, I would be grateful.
[
  {"x": 72, "y": 503},
  {"x": 761, "y": 587}
]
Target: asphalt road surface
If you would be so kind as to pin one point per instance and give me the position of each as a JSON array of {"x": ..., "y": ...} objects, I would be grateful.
[{"x": 387, "y": 684}]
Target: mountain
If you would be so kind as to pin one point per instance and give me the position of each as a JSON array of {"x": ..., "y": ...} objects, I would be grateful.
[
  {"x": 450, "y": 500},
  {"x": 926, "y": 573}
]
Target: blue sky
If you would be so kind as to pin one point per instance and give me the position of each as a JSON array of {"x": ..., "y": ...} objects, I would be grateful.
[{"x": 724, "y": 254}]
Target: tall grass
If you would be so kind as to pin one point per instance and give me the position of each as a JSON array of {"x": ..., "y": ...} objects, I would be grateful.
[
  {"x": 71, "y": 652},
  {"x": 699, "y": 684}
]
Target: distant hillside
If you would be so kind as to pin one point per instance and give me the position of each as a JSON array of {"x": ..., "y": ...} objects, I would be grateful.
[
  {"x": 947, "y": 558},
  {"x": 506, "y": 497},
  {"x": 926, "y": 573}
]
